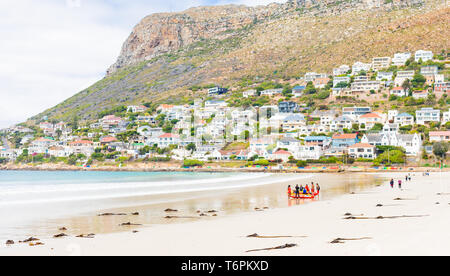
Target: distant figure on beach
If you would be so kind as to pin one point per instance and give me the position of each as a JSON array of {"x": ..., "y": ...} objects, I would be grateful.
[
  {"x": 308, "y": 191},
  {"x": 313, "y": 189},
  {"x": 318, "y": 188},
  {"x": 392, "y": 183},
  {"x": 289, "y": 190},
  {"x": 400, "y": 184}
]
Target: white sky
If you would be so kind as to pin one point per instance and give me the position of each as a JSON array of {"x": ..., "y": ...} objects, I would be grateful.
[{"x": 52, "y": 49}]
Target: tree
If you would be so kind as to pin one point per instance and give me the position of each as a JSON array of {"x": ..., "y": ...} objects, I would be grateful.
[
  {"x": 191, "y": 147},
  {"x": 440, "y": 149},
  {"x": 418, "y": 80}
]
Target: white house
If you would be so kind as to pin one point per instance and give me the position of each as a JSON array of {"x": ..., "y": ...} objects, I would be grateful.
[
  {"x": 360, "y": 150},
  {"x": 446, "y": 117},
  {"x": 360, "y": 66},
  {"x": 423, "y": 55},
  {"x": 404, "y": 119},
  {"x": 427, "y": 115},
  {"x": 402, "y": 76},
  {"x": 342, "y": 70},
  {"x": 379, "y": 63},
  {"x": 400, "y": 59},
  {"x": 399, "y": 92},
  {"x": 249, "y": 93},
  {"x": 440, "y": 136},
  {"x": 309, "y": 153}
]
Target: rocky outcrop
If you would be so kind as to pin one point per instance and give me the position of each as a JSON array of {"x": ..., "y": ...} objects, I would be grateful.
[{"x": 164, "y": 33}]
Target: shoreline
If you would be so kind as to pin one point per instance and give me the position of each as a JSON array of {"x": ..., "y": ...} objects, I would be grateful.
[
  {"x": 142, "y": 167},
  {"x": 412, "y": 221}
]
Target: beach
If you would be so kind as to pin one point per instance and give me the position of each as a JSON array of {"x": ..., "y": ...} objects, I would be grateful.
[{"x": 368, "y": 220}]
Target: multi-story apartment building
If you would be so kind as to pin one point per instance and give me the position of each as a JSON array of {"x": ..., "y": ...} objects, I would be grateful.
[
  {"x": 379, "y": 63},
  {"x": 366, "y": 86},
  {"x": 423, "y": 55},
  {"x": 402, "y": 76},
  {"x": 400, "y": 59},
  {"x": 427, "y": 115}
]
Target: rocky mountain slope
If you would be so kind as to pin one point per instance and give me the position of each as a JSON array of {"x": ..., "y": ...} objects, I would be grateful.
[{"x": 169, "y": 52}]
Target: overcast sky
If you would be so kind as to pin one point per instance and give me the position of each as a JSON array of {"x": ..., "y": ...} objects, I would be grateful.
[{"x": 52, "y": 49}]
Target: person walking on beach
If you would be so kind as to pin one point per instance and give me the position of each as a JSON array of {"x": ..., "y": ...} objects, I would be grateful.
[
  {"x": 400, "y": 184},
  {"x": 392, "y": 183},
  {"x": 289, "y": 191},
  {"x": 318, "y": 188}
]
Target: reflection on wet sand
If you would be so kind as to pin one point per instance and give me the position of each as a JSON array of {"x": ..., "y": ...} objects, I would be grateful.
[{"x": 227, "y": 202}]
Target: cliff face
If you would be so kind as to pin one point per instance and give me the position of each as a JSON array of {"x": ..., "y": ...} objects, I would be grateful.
[
  {"x": 167, "y": 32},
  {"x": 226, "y": 45},
  {"x": 163, "y": 33}
]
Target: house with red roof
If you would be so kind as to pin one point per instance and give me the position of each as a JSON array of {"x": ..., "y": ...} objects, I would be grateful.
[
  {"x": 368, "y": 121},
  {"x": 168, "y": 139},
  {"x": 344, "y": 140},
  {"x": 439, "y": 136},
  {"x": 360, "y": 150},
  {"x": 108, "y": 140}
]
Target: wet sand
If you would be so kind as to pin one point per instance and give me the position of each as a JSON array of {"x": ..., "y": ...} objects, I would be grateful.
[{"x": 230, "y": 204}]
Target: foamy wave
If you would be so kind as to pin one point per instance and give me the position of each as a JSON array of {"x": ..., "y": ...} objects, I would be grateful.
[{"x": 149, "y": 189}]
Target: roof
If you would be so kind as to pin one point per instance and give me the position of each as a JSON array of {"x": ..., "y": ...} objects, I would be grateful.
[
  {"x": 405, "y": 115},
  {"x": 283, "y": 152},
  {"x": 85, "y": 142},
  {"x": 44, "y": 140},
  {"x": 314, "y": 138},
  {"x": 439, "y": 133},
  {"x": 168, "y": 135},
  {"x": 346, "y": 136},
  {"x": 108, "y": 139},
  {"x": 370, "y": 115},
  {"x": 362, "y": 145}
]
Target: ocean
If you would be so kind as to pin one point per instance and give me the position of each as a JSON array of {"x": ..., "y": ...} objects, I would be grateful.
[{"x": 38, "y": 202}]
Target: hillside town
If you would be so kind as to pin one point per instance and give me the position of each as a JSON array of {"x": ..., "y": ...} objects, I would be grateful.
[{"x": 321, "y": 118}]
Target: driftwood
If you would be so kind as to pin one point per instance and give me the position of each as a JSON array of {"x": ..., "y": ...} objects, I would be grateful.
[
  {"x": 213, "y": 211},
  {"x": 111, "y": 214},
  {"x": 29, "y": 240},
  {"x": 170, "y": 210},
  {"x": 179, "y": 217},
  {"x": 402, "y": 199},
  {"x": 88, "y": 236},
  {"x": 60, "y": 235},
  {"x": 62, "y": 229},
  {"x": 273, "y": 248},
  {"x": 9, "y": 242},
  {"x": 129, "y": 224},
  {"x": 36, "y": 244},
  {"x": 341, "y": 240},
  {"x": 273, "y": 237},
  {"x": 382, "y": 217},
  {"x": 135, "y": 214}
]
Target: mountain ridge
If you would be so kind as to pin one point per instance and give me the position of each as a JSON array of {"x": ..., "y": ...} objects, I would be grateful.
[{"x": 280, "y": 41}]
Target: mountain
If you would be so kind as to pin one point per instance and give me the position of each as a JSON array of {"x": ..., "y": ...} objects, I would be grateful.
[{"x": 167, "y": 53}]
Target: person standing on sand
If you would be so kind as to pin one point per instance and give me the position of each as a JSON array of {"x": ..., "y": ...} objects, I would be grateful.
[
  {"x": 392, "y": 183},
  {"x": 400, "y": 184},
  {"x": 297, "y": 191},
  {"x": 289, "y": 190},
  {"x": 318, "y": 188}
]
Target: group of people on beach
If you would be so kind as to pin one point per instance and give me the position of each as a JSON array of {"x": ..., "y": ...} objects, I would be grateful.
[
  {"x": 400, "y": 182},
  {"x": 312, "y": 190}
]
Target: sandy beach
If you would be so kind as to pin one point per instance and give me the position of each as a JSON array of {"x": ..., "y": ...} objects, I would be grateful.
[{"x": 383, "y": 221}]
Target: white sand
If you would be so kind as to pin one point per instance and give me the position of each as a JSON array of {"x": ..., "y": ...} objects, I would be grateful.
[{"x": 320, "y": 221}]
